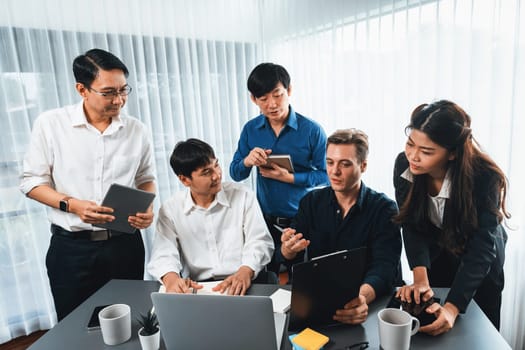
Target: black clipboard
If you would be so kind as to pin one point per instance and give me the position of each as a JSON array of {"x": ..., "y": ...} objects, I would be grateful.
[
  {"x": 125, "y": 201},
  {"x": 323, "y": 285}
]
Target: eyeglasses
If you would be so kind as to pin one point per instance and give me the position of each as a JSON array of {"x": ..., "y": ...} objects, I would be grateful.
[
  {"x": 356, "y": 346},
  {"x": 125, "y": 91}
]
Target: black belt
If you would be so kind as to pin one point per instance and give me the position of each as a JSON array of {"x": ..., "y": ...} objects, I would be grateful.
[
  {"x": 277, "y": 220},
  {"x": 101, "y": 235}
]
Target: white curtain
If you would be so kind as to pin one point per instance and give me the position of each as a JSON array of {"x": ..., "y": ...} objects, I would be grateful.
[
  {"x": 354, "y": 63},
  {"x": 368, "y": 64},
  {"x": 188, "y": 62}
]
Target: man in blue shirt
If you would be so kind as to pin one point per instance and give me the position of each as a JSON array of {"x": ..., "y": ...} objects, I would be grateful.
[
  {"x": 348, "y": 215},
  {"x": 279, "y": 130}
]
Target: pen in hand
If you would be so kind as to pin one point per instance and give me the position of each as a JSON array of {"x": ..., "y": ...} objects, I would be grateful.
[
  {"x": 188, "y": 285},
  {"x": 280, "y": 229}
]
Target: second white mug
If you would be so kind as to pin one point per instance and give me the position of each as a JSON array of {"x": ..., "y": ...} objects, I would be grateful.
[{"x": 395, "y": 329}]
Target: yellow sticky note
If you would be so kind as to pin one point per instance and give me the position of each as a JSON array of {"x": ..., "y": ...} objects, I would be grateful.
[{"x": 309, "y": 339}]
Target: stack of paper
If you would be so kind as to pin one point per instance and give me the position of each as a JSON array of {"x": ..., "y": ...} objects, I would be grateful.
[
  {"x": 281, "y": 299},
  {"x": 206, "y": 288}
]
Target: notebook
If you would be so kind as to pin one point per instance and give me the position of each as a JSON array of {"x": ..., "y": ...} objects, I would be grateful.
[
  {"x": 323, "y": 285},
  {"x": 194, "y": 321},
  {"x": 125, "y": 201}
]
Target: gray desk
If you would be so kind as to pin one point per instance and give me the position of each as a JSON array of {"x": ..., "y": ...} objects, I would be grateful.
[{"x": 472, "y": 330}]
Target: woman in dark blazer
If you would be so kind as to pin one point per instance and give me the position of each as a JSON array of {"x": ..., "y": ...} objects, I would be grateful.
[{"x": 452, "y": 203}]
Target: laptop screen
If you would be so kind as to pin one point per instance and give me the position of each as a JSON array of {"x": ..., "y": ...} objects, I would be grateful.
[{"x": 193, "y": 321}]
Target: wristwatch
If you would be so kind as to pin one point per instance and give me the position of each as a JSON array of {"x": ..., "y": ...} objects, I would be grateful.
[{"x": 64, "y": 204}]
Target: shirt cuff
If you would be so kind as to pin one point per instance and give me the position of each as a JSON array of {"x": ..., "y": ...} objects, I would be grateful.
[
  {"x": 28, "y": 184},
  {"x": 460, "y": 302},
  {"x": 255, "y": 267},
  {"x": 300, "y": 178},
  {"x": 377, "y": 284},
  {"x": 159, "y": 269}
]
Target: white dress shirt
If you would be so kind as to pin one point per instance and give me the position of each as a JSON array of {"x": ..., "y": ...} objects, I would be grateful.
[
  {"x": 73, "y": 157},
  {"x": 213, "y": 242},
  {"x": 436, "y": 208}
]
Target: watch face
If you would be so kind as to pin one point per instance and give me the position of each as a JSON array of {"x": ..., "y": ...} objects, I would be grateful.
[{"x": 63, "y": 205}]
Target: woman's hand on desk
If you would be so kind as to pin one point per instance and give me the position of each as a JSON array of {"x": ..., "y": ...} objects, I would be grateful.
[
  {"x": 416, "y": 292},
  {"x": 446, "y": 317}
]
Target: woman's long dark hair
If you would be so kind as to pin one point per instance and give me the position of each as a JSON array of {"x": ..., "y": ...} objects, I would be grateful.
[{"x": 447, "y": 124}]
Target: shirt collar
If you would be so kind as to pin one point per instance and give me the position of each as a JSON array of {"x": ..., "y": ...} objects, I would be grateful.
[
  {"x": 407, "y": 175},
  {"x": 79, "y": 118},
  {"x": 291, "y": 121},
  {"x": 445, "y": 188},
  {"x": 220, "y": 199},
  {"x": 360, "y": 196}
]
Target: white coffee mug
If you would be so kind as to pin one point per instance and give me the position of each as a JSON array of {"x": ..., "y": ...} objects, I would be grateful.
[
  {"x": 395, "y": 329},
  {"x": 115, "y": 323}
]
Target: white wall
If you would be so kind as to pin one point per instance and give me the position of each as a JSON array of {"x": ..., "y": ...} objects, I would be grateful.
[{"x": 212, "y": 20}]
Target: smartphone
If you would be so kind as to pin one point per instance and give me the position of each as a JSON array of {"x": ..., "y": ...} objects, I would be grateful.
[
  {"x": 424, "y": 317},
  {"x": 394, "y": 302},
  {"x": 420, "y": 313},
  {"x": 94, "y": 323}
]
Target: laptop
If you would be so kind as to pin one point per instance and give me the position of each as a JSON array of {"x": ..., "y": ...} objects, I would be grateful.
[
  {"x": 193, "y": 321},
  {"x": 323, "y": 285}
]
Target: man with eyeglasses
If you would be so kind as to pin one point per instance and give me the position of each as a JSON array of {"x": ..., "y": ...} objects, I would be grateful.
[
  {"x": 75, "y": 154},
  {"x": 211, "y": 230},
  {"x": 279, "y": 129}
]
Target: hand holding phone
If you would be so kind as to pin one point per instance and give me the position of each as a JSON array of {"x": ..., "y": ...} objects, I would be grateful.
[{"x": 416, "y": 310}]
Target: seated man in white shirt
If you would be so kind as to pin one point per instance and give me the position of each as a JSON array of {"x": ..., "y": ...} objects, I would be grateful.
[{"x": 211, "y": 230}]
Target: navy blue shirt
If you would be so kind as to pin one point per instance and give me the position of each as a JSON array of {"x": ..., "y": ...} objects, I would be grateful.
[
  {"x": 304, "y": 140},
  {"x": 367, "y": 224}
]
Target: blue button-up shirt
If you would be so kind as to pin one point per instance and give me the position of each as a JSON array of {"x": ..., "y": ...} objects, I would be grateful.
[{"x": 304, "y": 140}]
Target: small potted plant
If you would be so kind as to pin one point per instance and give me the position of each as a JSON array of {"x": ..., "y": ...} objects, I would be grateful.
[{"x": 149, "y": 333}]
